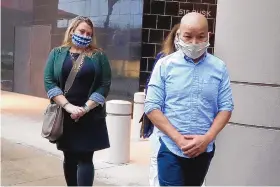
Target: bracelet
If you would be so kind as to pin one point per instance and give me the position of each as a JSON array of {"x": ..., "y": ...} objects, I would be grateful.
[
  {"x": 63, "y": 106},
  {"x": 86, "y": 107}
]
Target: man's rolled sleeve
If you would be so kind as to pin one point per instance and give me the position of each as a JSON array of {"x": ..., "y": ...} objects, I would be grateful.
[
  {"x": 225, "y": 101},
  {"x": 156, "y": 89}
]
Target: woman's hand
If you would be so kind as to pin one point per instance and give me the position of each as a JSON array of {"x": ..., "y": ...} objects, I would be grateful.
[
  {"x": 75, "y": 110},
  {"x": 81, "y": 113}
]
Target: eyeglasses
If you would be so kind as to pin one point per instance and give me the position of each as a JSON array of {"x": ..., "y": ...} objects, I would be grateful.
[{"x": 82, "y": 18}]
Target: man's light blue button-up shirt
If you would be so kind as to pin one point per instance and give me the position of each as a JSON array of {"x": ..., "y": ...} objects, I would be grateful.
[{"x": 189, "y": 94}]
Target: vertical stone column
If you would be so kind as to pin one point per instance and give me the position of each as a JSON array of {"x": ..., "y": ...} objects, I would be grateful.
[
  {"x": 248, "y": 41},
  {"x": 119, "y": 124}
]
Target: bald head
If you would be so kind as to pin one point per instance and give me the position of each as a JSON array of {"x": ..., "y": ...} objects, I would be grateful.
[
  {"x": 194, "y": 28},
  {"x": 195, "y": 20}
]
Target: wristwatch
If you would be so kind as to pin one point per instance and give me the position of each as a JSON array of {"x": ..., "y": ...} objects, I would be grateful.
[{"x": 86, "y": 107}]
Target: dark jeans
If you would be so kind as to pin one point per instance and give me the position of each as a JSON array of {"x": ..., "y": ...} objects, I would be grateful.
[
  {"x": 78, "y": 168},
  {"x": 178, "y": 171}
]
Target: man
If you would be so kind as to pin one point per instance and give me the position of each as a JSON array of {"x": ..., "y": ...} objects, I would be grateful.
[{"x": 189, "y": 100}]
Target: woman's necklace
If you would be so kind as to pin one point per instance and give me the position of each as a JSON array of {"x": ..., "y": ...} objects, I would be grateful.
[
  {"x": 72, "y": 56},
  {"x": 76, "y": 66}
]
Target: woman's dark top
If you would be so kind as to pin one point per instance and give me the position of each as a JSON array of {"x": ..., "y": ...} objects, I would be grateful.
[{"x": 90, "y": 132}]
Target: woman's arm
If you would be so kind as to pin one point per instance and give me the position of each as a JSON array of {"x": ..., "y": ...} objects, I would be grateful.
[
  {"x": 53, "y": 90},
  {"x": 99, "y": 95}
]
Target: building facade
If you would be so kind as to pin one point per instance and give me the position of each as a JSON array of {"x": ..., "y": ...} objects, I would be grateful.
[{"x": 130, "y": 32}]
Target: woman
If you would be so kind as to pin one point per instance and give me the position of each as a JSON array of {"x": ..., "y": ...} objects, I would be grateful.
[
  {"x": 84, "y": 125},
  {"x": 169, "y": 46}
]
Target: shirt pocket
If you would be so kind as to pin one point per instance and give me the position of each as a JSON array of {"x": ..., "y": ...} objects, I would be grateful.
[
  {"x": 210, "y": 90},
  {"x": 179, "y": 99},
  {"x": 178, "y": 103}
]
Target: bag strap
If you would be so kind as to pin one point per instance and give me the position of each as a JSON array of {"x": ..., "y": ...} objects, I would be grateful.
[{"x": 72, "y": 75}]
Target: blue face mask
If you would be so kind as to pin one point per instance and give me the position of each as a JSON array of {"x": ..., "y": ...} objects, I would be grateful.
[{"x": 80, "y": 40}]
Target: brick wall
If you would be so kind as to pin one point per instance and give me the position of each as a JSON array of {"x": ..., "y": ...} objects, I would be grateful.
[{"x": 159, "y": 16}]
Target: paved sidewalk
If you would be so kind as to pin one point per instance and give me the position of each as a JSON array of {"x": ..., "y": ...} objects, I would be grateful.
[
  {"x": 21, "y": 122},
  {"x": 27, "y": 166}
]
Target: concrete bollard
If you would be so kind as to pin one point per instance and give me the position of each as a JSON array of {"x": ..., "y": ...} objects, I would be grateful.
[
  {"x": 138, "y": 110},
  {"x": 119, "y": 124}
]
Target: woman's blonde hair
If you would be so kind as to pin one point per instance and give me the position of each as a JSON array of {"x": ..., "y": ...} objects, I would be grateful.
[
  {"x": 168, "y": 44},
  {"x": 67, "y": 41}
]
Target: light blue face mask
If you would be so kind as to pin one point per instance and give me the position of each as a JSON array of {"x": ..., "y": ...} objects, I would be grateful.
[{"x": 80, "y": 40}]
